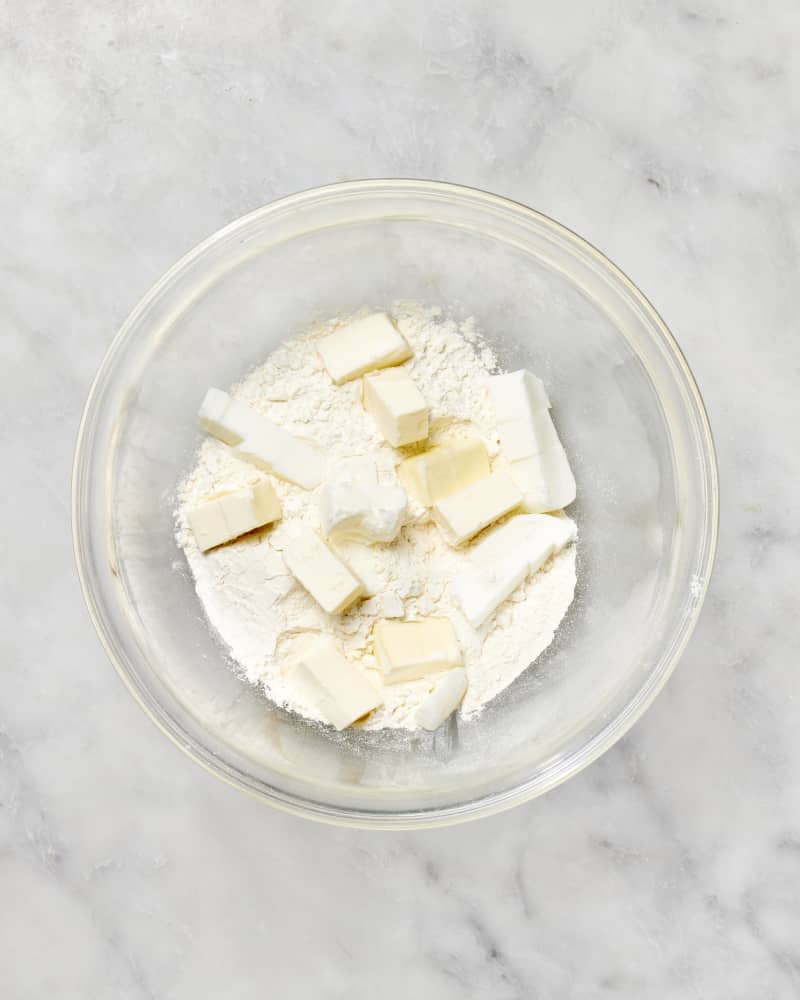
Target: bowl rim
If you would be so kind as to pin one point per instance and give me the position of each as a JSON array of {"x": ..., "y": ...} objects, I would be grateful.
[{"x": 492, "y": 802}]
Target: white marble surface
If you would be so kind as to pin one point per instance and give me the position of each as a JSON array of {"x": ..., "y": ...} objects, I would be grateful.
[{"x": 667, "y": 134}]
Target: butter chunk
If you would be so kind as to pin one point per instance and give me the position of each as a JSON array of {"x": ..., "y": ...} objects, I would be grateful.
[
  {"x": 396, "y": 405},
  {"x": 336, "y": 688},
  {"x": 353, "y": 504},
  {"x": 481, "y": 592},
  {"x": 546, "y": 480},
  {"x": 444, "y": 470},
  {"x": 332, "y": 585},
  {"x": 535, "y": 536},
  {"x": 258, "y": 440},
  {"x": 407, "y": 651},
  {"x": 504, "y": 558},
  {"x": 227, "y": 517},
  {"x": 529, "y": 441},
  {"x": 517, "y": 394},
  {"x": 443, "y": 700},
  {"x": 362, "y": 346},
  {"x": 226, "y": 418},
  {"x": 531, "y": 436},
  {"x": 469, "y": 511}
]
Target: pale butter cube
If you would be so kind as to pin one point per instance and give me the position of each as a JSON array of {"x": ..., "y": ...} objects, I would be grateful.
[
  {"x": 353, "y": 504},
  {"x": 443, "y": 700},
  {"x": 226, "y": 418},
  {"x": 534, "y": 536},
  {"x": 227, "y": 517},
  {"x": 517, "y": 394},
  {"x": 396, "y": 405},
  {"x": 504, "y": 558},
  {"x": 469, "y": 511},
  {"x": 530, "y": 442},
  {"x": 407, "y": 651},
  {"x": 481, "y": 592},
  {"x": 258, "y": 440},
  {"x": 363, "y": 563},
  {"x": 444, "y": 470},
  {"x": 275, "y": 450},
  {"x": 531, "y": 436},
  {"x": 335, "y": 687},
  {"x": 546, "y": 480},
  {"x": 332, "y": 585},
  {"x": 362, "y": 346}
]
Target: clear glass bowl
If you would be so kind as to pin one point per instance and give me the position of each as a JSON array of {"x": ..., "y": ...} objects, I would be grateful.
[{"x": 627, "y": 409}]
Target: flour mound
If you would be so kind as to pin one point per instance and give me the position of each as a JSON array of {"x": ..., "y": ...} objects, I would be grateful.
[{"x": 257, "y": 608}]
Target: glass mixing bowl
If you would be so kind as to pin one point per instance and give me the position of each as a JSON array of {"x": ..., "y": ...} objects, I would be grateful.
[{"x": 626, "y": 407}]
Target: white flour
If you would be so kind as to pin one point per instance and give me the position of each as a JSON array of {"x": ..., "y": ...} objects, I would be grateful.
[{"x": 259, "y": 610}]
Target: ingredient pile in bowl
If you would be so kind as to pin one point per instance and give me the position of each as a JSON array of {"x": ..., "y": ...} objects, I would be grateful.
[{"x": 375, "y": 521}]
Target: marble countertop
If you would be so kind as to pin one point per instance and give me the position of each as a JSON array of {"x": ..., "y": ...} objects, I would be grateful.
[{"x": 667, "y": 134}]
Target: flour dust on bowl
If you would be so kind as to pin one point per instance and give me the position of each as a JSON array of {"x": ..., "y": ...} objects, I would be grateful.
[{"x": 627, "y": 411}]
